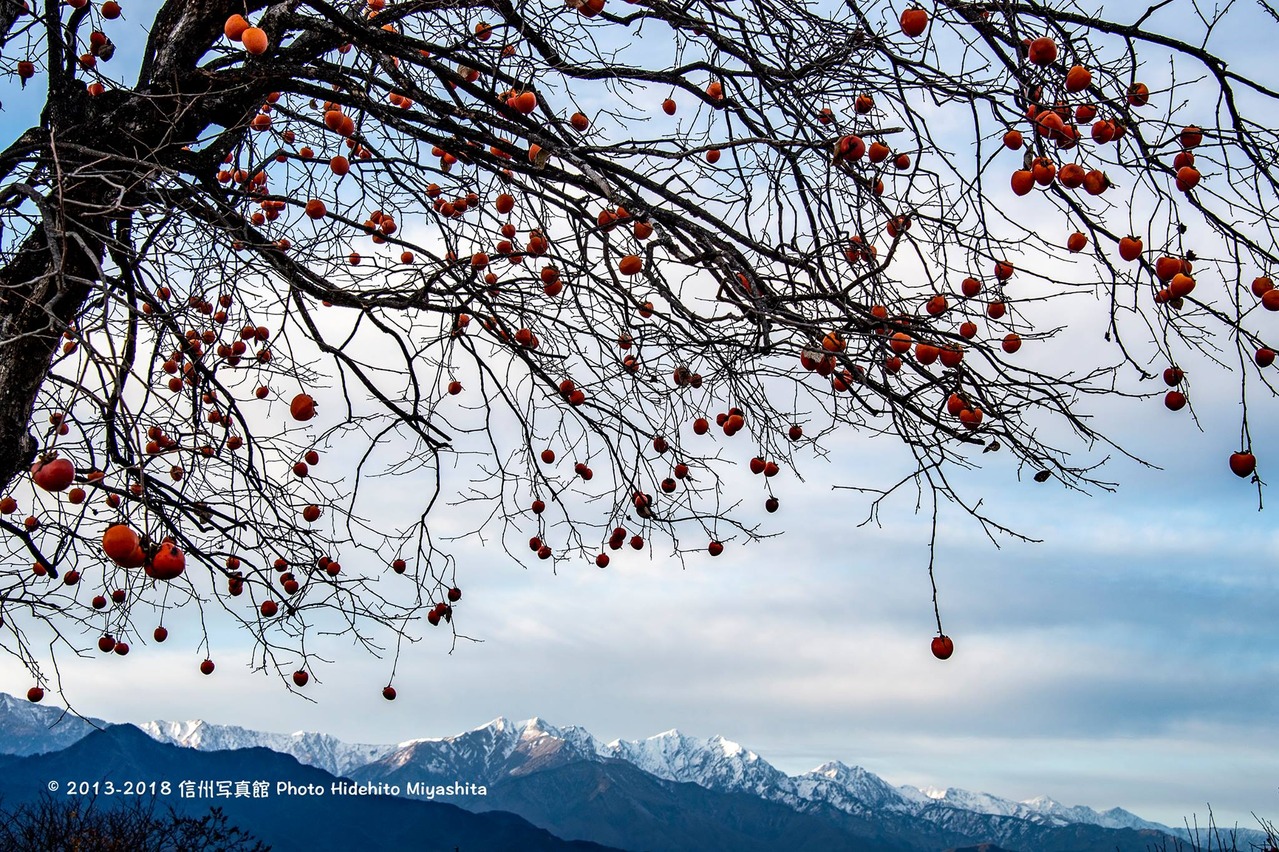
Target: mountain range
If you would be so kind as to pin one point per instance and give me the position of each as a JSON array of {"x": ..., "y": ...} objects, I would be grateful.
[
  {"x": 300, "y": 821},
  {"x": 667, "y": 792}
]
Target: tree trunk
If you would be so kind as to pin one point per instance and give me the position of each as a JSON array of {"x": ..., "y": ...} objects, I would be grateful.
[{"x": 41, "y": 290}]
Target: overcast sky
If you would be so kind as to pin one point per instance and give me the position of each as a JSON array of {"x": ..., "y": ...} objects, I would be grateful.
[{"x": 1128, "y": 659}]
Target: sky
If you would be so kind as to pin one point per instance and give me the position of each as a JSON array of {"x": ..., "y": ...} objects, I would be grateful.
[{"x": 1127, "y": 659}]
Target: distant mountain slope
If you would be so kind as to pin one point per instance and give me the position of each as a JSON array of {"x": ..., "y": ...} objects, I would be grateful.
[
  {"x": 27, "y": 728},
  {"x": 1041, "y": 809},
  {"x": 319, "y": 750},
  {"x": 613, "y": 802}
]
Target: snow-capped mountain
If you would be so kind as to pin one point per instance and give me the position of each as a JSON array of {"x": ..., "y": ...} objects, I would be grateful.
[
  {"x": 721, "y": 764},
  {"x": 1042, "y": 809},
  {"x": 852, "y": 789},
  {"x": 319, "y": 750},
  {"x": 1113, "y": 818},
  {"x": 716, "y": 763},
  {"x": 27, "y": 728},
  {"x": 483, "y": 755},
  {"x": 503, "y": 750}
]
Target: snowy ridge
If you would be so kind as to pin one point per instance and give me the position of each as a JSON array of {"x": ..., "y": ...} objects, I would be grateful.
[
  {"x": 855, "y": 790},
  {"x": 717, "y": 763},
  {"x": 486, "y": 754},
  {"x": 320, "y": 750},
  {"x": 720, "y": 764},
  {"x": 1041, "y": 809},
  {"x": 981, "y": 803},
  {"x": 1113, "y": 818},
  {"x": 502, "y": 749}
]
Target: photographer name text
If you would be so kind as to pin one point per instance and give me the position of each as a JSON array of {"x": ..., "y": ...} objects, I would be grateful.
[{"x": 242, "y": 789}]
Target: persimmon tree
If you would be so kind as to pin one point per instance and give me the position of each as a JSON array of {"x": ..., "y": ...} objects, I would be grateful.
[{"x": 562, "y": 271}]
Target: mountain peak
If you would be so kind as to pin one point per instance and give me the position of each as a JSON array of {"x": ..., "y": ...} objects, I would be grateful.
[
  {"x": 962, "y": 798},
  {"x": 732, "y": 749},
  {"x": 501, "y": 724},
  {"x": 1042, "y": 802},
  {"x": 672, "y": 734},
  {"x": 536, "y": 725},
  {"x": 854, "y": 790},
  {"x": 716, "y": 763},
  {"x": 832, "y": 767},
  {"x": 838, "y": 769}
]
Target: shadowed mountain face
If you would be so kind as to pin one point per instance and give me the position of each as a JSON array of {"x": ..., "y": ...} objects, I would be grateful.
[
  {"x": 613, "y": 802},
  {"x": 307, "y": 816},
  {"x": 27, "y": 728}
]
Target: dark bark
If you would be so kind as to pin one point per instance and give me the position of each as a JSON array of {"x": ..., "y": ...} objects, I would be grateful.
[
  {"x": 38, "y": 297},
  {"x": 183, "y": 31},
  {"x": 11, "y": 11}
]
